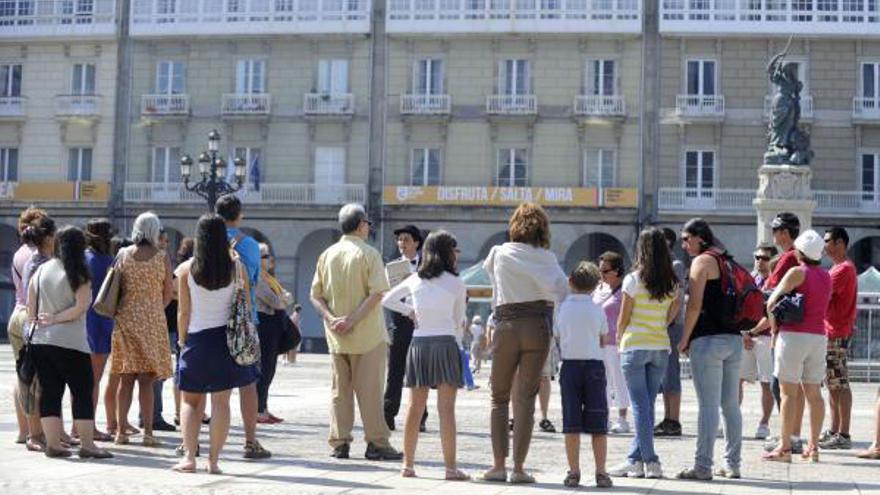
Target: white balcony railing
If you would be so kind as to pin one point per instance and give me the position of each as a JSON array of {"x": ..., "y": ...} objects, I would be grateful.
[
  {"x": 847, "y": 18},
  {"x": 328, "y": 104},
  {"x": 57, "y": 18},
  {"x": 283, "y": 193},
  {"x": 700, "y": 106},
  {"x": 600, "y": 105},
  {"x": 7, "y": 191},
  {"x": 518, "y": 16},
  {"x": 866, "y": 108},
  {"x": 512, "y": 104},
  {"x": 721, "y": 200},
  {"x": 77, "y": 106},
  {"x": 806, "y": 106},
  {"x": 846, "y": 202},
  {"x": 425, "y": 104},
  {"x": 151, "y": 18},
  {"x": 12, "y": 107},
  {"x": 159, "y": 105},
  {"x": 246, "y": 104}
]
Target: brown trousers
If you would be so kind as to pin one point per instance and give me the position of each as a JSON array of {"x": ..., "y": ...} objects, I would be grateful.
[
  {"x": 521, "y": 341},
  {"x": 363, "y": 376}
]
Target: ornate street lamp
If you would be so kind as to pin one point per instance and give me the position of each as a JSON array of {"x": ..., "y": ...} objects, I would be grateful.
[{"x": 212, "y": 169}]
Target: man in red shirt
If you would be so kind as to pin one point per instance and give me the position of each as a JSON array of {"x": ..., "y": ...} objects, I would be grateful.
[{"x": 839, "y": 323}]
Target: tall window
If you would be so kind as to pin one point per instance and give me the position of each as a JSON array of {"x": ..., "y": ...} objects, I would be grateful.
[
  {"x": 83, "y": 79},
  {"x": 870, "y": 176},
  {"x": 870, "y": 80},
  {"x": 701, "y": 77},
  {"x": 333, "y": 76},
  {"x": 169, "y": 78},
  {"x": 512, "y": 167},
  {"x": 79, "y": 164},
  {"x": 329, "y": 175},
  {"x": 425, "y": 169},
  {"x": 10, "y": 80},
  {"x": 699, "y": 172},
  {"x": 428, "y": 77},
  {"x": 9, "y": 9},
  {"x": 166, "y": 165},
  {"x": 514, "y": 77},
  {"x": 601, "y": 77},
  {"x": 600, "y": 167},
  {"x": 251, "y": 76},
  {"x": 249, "y": 155},
  {"x": 8, "y": 164}
]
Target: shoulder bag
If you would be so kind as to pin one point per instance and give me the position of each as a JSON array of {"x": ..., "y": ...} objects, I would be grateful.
[
  {"x": 241, "y": 333},
  {"x": 107, "y": 301},
  {"x": 24, "y": 365}
]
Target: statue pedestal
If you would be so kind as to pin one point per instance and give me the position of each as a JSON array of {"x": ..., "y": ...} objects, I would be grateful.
[{"x": 783, "y": 188}]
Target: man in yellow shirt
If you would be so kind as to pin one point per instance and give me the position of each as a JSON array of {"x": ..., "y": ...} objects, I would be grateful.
[{"x": 346, "y": 291}]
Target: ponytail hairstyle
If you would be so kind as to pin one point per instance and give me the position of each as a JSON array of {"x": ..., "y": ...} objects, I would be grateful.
[
  {"x": 72, "y": 254},
  {"x": 39, "y": 230}
]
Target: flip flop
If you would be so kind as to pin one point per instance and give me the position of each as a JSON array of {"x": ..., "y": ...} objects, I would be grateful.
[
  {"x": 100, "y": 436},
  {"x": 872, "y": 454},
  {"x": 456, "y": 475},
  {"x": 182, "y": 468}
]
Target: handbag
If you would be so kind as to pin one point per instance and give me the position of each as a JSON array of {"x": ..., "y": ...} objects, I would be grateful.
[
  {"x": 290, "y": 334},
  {"x": 790, "y": 308},
  {"x": 242, "y": 338},
  {"x": 24, "y": 365},
  {"x": 107, "y": 301}
]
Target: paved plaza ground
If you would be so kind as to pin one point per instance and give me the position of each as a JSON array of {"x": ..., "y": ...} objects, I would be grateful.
[{"x": 301, "y": 464}]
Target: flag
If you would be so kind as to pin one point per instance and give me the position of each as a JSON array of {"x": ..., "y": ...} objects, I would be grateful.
[{"x": 255, "y": 175}]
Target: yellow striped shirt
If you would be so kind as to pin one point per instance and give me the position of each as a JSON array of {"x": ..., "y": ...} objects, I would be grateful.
[{"x": 647, "y": 323}]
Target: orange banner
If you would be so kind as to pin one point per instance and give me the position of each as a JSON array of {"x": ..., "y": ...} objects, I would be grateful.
[
  {"x": 62, "y": 191},
  {"x": 584, "y": 197}
]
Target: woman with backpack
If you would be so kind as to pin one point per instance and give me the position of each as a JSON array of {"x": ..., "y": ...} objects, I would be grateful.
[{"x": 715, "y": 347}]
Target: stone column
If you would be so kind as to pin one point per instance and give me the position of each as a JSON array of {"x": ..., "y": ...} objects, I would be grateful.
[{"x": 783, "y": 188}]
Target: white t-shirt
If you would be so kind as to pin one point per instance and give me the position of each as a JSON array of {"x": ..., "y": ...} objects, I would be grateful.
[
  {"x": 439, "y": 303},
  {"x": 522, "y": 273},
  {"x": 579, "y": 325},
  {"x": 477, "y": 331}
]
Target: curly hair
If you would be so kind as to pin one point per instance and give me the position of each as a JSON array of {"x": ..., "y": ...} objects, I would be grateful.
[
  {"x": 28, "y": 216},
  {"x": 530, "y": 224}
]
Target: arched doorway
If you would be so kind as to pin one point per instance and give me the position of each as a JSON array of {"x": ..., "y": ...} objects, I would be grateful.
[
  {"x": 865, "y": 253},
  {"x": 310, "y": 247},
  {"x": 493, "y": 240},
  {"x": 589, "y": 247},
  {"x": 8, "y": 245}
]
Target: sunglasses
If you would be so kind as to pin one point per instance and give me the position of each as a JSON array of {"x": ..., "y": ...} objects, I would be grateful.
[
  {"x": 265, "y": 256},
  {"x": 761, "y": 258}
]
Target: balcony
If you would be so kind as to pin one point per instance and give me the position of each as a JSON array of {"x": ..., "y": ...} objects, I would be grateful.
[
  {"x": 512, "y": 105},
  {"x": 58, "y": 19},
  {"x": 165, "y": 105},
  {"x": 846, "y": 202},
  {"x": 7, "y": 191},
  {"x": 269, "y": 194},
  {"x": 600, "y": 106},
  {"x": 425, "y": 104},
  {"x": 688, "y": 200},
  {"x": 806, "y": 107},
  {"x": 78, "y": 106},
  {"x": 866, "y": 110},
  {"x": 848, "y": 19},
  {"x": 513, "y": 16},
  {"x": 246, "y": 105},
  {"x": 12, "y": 108},
  {"x": 700, "y": 108},
  {"x": 153, "y": 18},
  {"x": 328, "y": 105}
]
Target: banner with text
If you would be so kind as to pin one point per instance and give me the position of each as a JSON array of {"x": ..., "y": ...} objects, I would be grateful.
[{"x": 583, "y": 197}]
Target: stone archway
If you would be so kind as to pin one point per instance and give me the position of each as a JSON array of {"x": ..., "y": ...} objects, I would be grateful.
[
  {"x": 865, "y": 253},
  {"x": 588, "y": 247},
  {"x": 310, "y": 247},
  {"x": 493, "y": 240},
  {"x": 8, "y": 245}
]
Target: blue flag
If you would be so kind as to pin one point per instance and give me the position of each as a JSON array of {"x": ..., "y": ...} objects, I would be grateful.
[{"x": 255, "y": 174}]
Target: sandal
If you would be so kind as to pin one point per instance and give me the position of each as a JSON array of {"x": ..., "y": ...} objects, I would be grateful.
[
  {"x": 811, "y": 453},
  {"x": 572, "y": 480},
  {"x": 121, "y": 439},
  {"x": 87, "y": 453},
  {"x": 53, "y": 452},
  {"x": 184, "y": 467},
  {"x": 777, "y": 455},
  {"x": 180, "y": 451},
  {"x": 872, "y": 454},
  {"x": 100, "y": 436},
  {"x": 213, "y": 470},
  {"x": 151, "y": 441},
  {"x": 36, "y": 443},
  {"x": 456, "y": 475},
  {"x": 253, "y": 450},
  {"x": 407, "y": 472},
  {"x": 603, "y": 480}
]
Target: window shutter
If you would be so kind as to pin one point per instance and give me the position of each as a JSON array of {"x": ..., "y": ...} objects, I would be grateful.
[{"x": 436, "y": 76}]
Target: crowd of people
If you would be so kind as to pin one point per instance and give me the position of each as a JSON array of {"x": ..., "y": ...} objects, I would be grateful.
[{"x": 612, "y": 334}]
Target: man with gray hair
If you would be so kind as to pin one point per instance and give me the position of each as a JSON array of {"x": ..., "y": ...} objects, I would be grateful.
[{"x": 346, "y": 292}]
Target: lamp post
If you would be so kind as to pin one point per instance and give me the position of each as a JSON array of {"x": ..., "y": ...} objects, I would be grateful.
[{"x": 212, "y": 168}]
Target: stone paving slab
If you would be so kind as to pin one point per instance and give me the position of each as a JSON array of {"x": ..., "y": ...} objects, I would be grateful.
[{"x": 301, "y": 463}]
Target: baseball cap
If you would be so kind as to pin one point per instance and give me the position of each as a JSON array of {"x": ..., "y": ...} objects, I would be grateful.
[
  {"x": 811, "y": 244},
  {"x": 785, "y": 220}
]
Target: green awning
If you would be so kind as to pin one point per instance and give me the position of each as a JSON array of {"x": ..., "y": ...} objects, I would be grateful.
[{"x": 475, "y": 276}]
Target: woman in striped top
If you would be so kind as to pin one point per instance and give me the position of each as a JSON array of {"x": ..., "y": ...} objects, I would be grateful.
[{"x": 650, "y": 302}]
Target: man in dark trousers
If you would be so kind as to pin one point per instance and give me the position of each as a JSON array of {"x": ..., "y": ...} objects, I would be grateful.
[{"x": 409, "y": 243}]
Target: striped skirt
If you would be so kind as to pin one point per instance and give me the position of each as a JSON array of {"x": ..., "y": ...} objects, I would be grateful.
[{"x": 432, "y": 361}]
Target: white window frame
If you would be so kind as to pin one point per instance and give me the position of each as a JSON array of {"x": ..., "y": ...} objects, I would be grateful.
[
  {"x": 597, "y": 166},
  {"x": 425, "y": 179},
  {"x": 518, "y": 65},
  {"x": 80, "y": 162},
  {"x": 83, "y": 79},
  {"x": 10, "y": 69},
  {"x": 168, "y": 77},
  {"x": 700, "y": 191},
  {"x": 5, "y": 153},
  {"x": 589, "y": 76},
  {"x": 330, "y": 81},
  {"x": 433, "y": 65},
  {"x": 507, "y": 157},
  {"x": 171, "y": 162},
  {"x": 249, "y": 72},
  {"x": 701, "y": 82},
  {"x": 861, "y": 78},
  {"x": 871, "y": 196},
  {"x": 249, "y": 153}
]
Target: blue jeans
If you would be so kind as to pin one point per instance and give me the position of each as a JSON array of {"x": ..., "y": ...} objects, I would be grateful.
[
  {"x": 643, "y": 372},
  {"x": 466, "y": 368},
  {"x": 715, "y": 364}
]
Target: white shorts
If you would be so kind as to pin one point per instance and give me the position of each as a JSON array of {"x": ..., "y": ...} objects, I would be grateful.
[
  {"x": 616, "y": 391},
  {"x": 800, "y": 358},
  {"x": 757, "y": 362}
]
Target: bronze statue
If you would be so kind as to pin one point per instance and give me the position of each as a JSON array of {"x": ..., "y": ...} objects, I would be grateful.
[{"x": 788, "y": 143}]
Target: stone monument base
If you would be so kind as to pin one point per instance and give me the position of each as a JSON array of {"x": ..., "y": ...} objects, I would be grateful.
[{"x": 783, "y": 188}]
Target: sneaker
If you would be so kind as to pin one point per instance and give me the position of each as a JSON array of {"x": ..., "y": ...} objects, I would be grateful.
[
  {"x": 797, "y": 446},
  {"x": 546, "y": 426},
  {"x": 668, "y": 428},
  {"x": 653, "y": 470},
  {"x": 376, "y": 453},
  {"x": 660, "y": 429},
  {"x": 837, "y": 442},
  {"x": 728, "y": 472},
  {"x": 162, "y": 425},
  {"x": 693, "y": 473},
  {"x": 825, "y": 436},
  {"x": 628, "y": 470},
  {"x": 341, "y": 451},
  {"x": 763, "y": 432},
  {"x": 619, "y": 426},
  {"x": 521, "y": 478}
]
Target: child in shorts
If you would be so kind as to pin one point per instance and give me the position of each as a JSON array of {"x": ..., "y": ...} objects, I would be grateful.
[{"x": 580, "y": 327}]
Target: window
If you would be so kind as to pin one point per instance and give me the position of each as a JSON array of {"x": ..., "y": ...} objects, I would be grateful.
[
  {"x": 514, "y": 77},
  {"x": 869, "y": 176},
  {"x": 166, "y": 165},
  {"x": 251, "y": 76},
  {"x": 79, "y": 165},
  {"x": 333, "y": 76},
  {"x": 166, "y": 8},
  {"x": 601, "y": 77},
  {"x": 870, "y": 80},
  {"x": 81, "y": 9},
  {"x": 701, "y": 77},
  {"x": 699, "y": 173},
  {"x": 600, "y": 167},
  {"x": 425, "y": 167},
  {"x": 83, "y": 79},
  {"x": 512, "y": 167},
  {"x": 8, "y": 164},
  {"x": 169, "y": 78},
  {"x": 428, "y": 77},
  {"x": 330, "y": 175},
  {"x": 10, "y": 80},
  {"x": 250, "y": 156}
]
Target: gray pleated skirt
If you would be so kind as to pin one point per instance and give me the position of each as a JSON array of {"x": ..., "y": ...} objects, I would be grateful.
[{"x": 432, "y": 361}]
